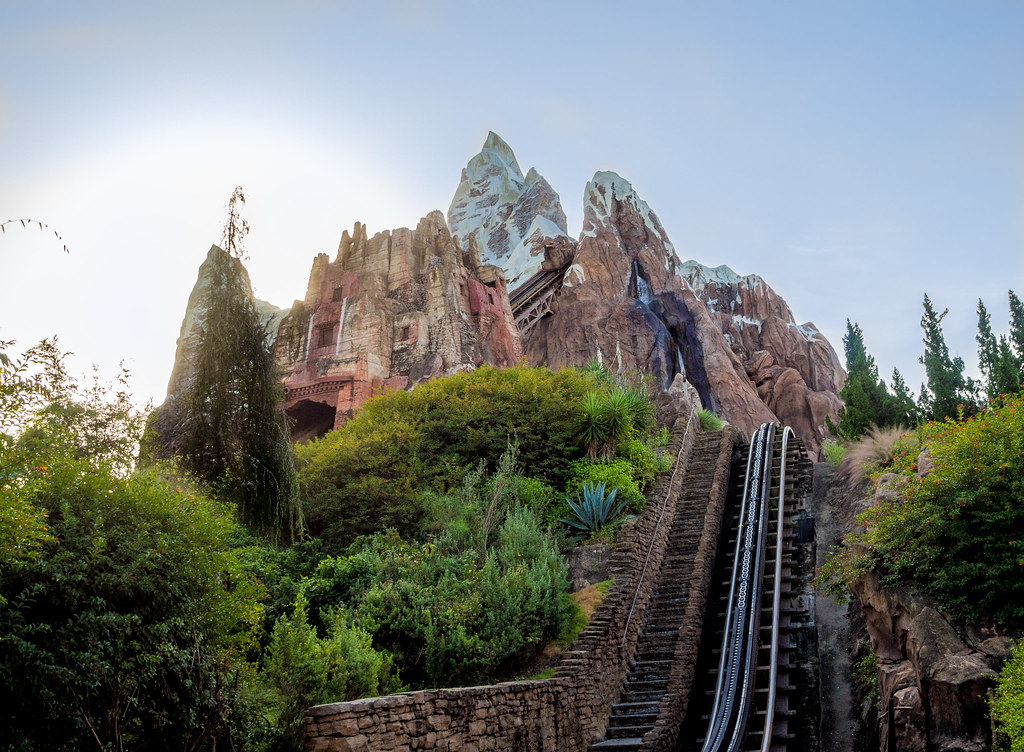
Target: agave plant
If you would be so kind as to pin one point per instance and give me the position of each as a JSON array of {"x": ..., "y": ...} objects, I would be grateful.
[{"x": 594, "y": 509}]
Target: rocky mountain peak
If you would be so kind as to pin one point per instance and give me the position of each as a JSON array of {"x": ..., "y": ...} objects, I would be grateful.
[
  {"x": 495, "y": 146},
  {"x": 611, "y": 203},
  {"x": 511, "y": 217}
]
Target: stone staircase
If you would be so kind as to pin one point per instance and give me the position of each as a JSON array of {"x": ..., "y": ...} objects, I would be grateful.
[{"x": 648, "y": 678}]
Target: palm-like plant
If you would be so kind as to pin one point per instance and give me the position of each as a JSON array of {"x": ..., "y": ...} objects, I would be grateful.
[
  {"x": 594, "y": 510},
  {"x": 608, "y": 417}
]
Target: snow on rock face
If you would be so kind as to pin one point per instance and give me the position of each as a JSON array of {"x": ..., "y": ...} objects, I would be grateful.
[
  {"x": 757, "y": 319},
  {"x": 608, "y": 194},
  {"x": 512, "y": 217}
]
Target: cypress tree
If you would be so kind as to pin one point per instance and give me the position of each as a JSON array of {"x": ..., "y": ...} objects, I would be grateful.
[
  {"x": 1017, "y": 328},
  {"x": 986, "y": 345},
  {"x": 236, "y": 437},
  {"x": 997, "y": 359},
  {"x": 866, "y": 401},
  {"x": 903, "y": 410},
  {"x": 949, "y": 391}
]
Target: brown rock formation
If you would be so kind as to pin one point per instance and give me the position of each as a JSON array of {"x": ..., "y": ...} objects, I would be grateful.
[
  {"x": 623, "y": 302},
  {"x": 389, "y": 311},
  {"x": 933, "y": 675}
]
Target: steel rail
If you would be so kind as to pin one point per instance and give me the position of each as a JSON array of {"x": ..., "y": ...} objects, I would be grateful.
[
  {"x": 766, "y": 739},
  {"x": 738, "y": 665}
]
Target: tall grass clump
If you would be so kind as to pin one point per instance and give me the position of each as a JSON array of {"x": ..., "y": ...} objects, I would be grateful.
[{"x": 872, "y": 453}]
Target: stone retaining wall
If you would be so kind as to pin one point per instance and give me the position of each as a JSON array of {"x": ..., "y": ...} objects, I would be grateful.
[{"x": 565, "y": 713}]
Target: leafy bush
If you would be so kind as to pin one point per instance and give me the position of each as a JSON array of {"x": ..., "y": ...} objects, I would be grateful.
[
  {"x": 833, "y": 451},
  {"x": 1007, "y": 701},
  {"x": 955, "y": 534},
  {"x": 616, "y": 474},
  {"x": 373, "y": 471},
  {"x": 456, "y": 619},
  {"x": 594, "y": 509},
  {"x": 307, "y": 670},
  {"x": 128, "y": 623},
  {"x": 709, "y": 421}
]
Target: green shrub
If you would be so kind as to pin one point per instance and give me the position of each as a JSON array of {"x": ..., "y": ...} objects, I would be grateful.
[
  {"x": 645, "y": 462},
  {"x": 709, "y": 421},
  {"x": 1007, "y": 702},
  {"x": 955, "y": 533},
  {"x": 452, "y": 619},
  {"x": 130, "y": 622},
  {"x": 833, "y": 451},
  {"x": 373, "y": 471},
  {"x": 616, "y": 474},
  {"x": 307, "y": 670}
]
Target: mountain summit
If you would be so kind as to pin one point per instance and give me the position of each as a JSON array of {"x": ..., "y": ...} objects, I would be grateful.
[{"x": 511, "y": 217}]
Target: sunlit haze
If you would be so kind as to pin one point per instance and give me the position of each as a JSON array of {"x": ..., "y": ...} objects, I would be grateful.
[{"x": 855, "y": 156}]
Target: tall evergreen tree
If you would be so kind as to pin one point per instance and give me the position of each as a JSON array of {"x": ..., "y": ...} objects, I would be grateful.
[
  {"x": 866, "y": 401},
  {"x": 1007, "y": 375},
  {"x": 1017, "y": 328},
  {"x": 949, "y": 390},
  {"x": 998, "y": 362},
  {"x": 235, "y": 435},
  {"x": 986, "y": 344},
  {"x": 904, "y": 411}
]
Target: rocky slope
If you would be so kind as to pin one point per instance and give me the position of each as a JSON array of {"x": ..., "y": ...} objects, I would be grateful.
[
  {"x": 388, "y": 311},
  {"x": 933, "y": 674},
  {"x": 626, "y": 299}
]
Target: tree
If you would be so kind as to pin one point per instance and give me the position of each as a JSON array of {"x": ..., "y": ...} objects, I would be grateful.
[
  {"x": 1017, "y": 326},
  {"x": 235, "y": 435},
  {"x": 866, "y": 401},
  {"x": 903, "y": 409},
  {"x": 949, "y": 391},
  {"x": 1001, "y": 367},
  {"x": 125, "y": 624}
]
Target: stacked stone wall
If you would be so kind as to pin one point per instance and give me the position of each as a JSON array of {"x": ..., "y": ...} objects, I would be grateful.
[{"x": 565, "y": 713}]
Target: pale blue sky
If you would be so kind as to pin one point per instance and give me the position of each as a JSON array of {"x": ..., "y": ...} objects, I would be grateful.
[{"x": 856, "y": 155}]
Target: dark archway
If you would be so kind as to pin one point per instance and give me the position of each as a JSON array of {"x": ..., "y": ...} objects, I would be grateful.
[{"x": 310, "y": 420}]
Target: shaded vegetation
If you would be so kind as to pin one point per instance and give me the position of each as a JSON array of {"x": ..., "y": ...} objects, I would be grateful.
[
  {"x": 374, "y": 470},
  {"x": 955, "y": 533}
]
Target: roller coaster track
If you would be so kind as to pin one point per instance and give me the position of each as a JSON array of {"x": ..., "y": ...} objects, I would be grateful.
[
  {"x": 531, "y": 301},
  {"x": 748, "y": 690}
]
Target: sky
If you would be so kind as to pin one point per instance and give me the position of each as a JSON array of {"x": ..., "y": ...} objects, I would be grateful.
[{"x": 855, "y": 155}]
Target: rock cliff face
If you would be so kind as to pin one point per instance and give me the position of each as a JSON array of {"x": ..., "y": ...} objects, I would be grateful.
[
  {"x": 390, "y": 310},
  {"x": 400, "y": 307},
  {"x": 933, "y": 675},
  {"x": 627, "y": 300}
]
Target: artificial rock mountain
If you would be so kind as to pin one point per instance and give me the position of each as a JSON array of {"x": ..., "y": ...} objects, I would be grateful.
[{"x": 407, "y": 305}]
